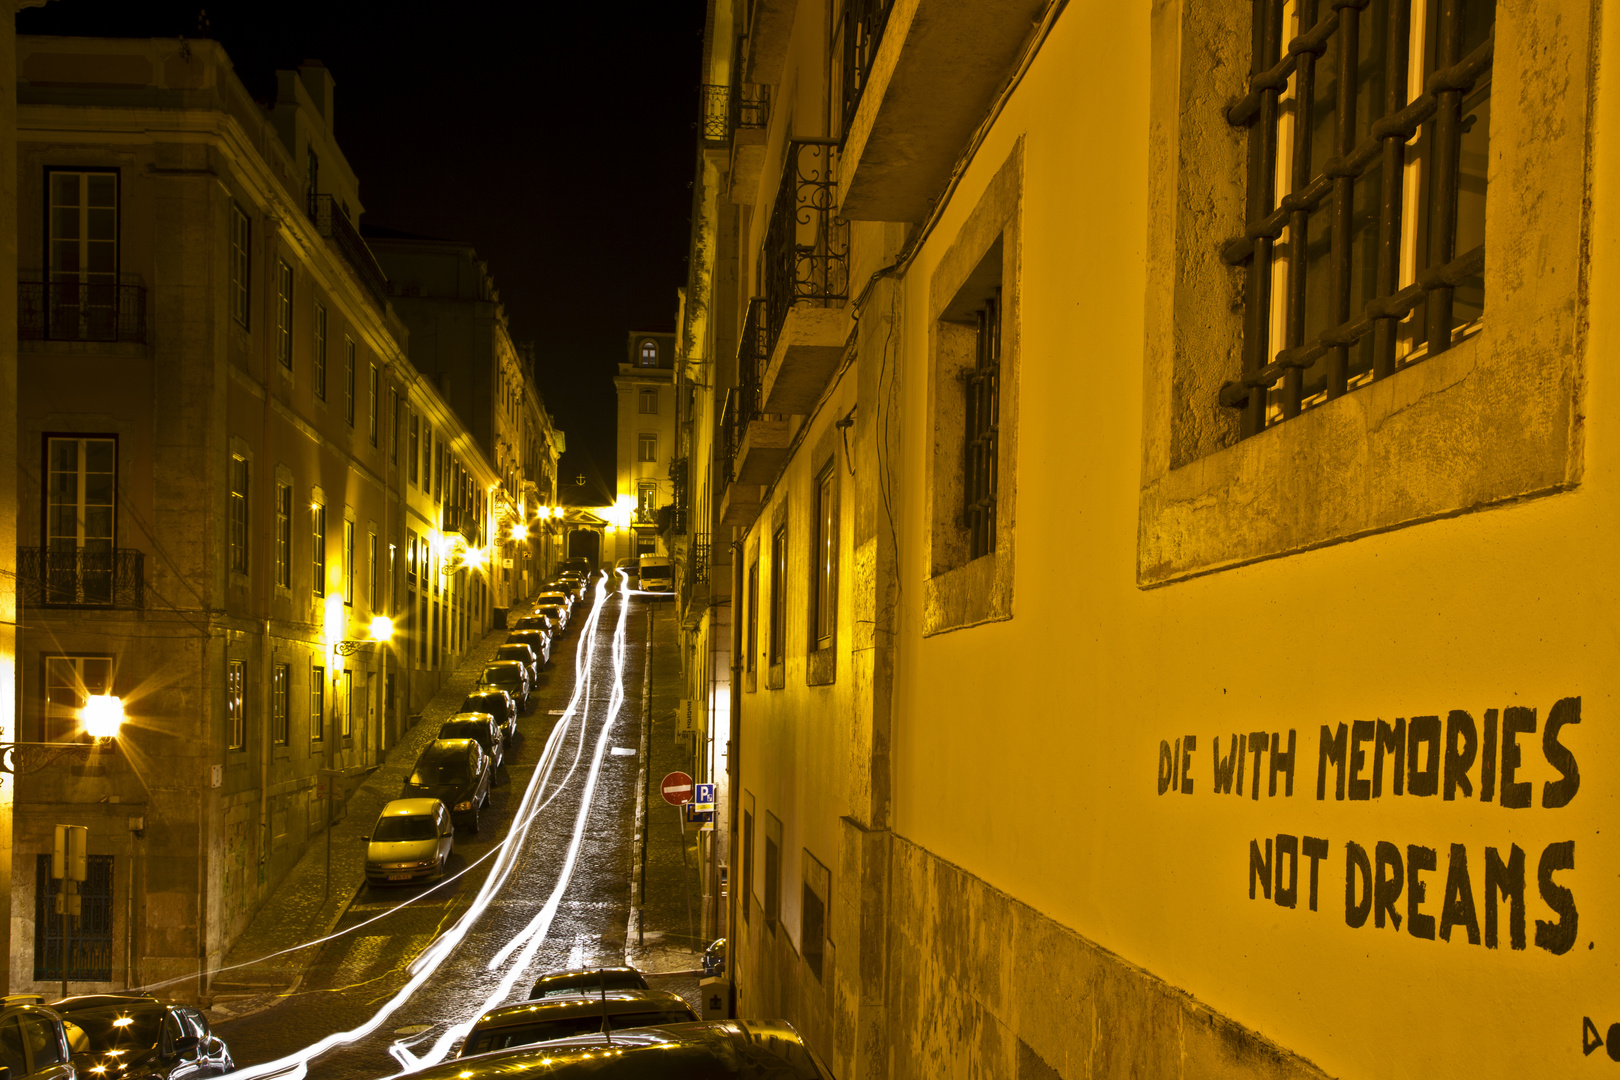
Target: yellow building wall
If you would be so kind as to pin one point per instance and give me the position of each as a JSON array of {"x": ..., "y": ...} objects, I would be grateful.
[{"x": 1027, "y": 752}]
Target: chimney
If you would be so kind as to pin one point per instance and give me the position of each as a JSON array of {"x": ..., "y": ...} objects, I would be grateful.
[{"x": 318, "y": 84}]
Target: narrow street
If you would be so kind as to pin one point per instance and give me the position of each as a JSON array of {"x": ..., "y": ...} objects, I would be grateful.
[{"x": 544, "y": 884}]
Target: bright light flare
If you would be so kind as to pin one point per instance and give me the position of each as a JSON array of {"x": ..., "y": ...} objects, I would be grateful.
[
  {"x": 336, "y": 623},
  {"x": 519, "y": 533},
  {"x": 473, "y": 558},
  {"x": 382, "y": 628},
  {"x": 102, "y": 715}
]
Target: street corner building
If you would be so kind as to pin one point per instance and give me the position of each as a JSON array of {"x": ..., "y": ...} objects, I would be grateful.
[
  {"x": 1154, "y": 457},
  {"x": 241, "y": 507}
]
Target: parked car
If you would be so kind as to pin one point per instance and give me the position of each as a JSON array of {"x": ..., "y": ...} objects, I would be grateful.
[
  {"x": 715, "y": 1050},
  {"x": 508, "y": 675},
  {"x": 557, "y": 613},
  {"x": 135, "y": 1035},
  {"x": 410, "y": 842},
  {"x": 555, "y": 596},
  {"x": 543, "y": 623},
  {"x": 499, "y": 704},
  {"x": 573, "y": 585},
  {"x": 546, "y": 1019},
  {"x": 538, "y": 641},
  {"x": 457, "y": 772},
  {"x": 587, "y": 981},
  {"x": 33, "y": 1041},
  {"x": 482, "y": 729},
  {"x": 523, "y": 652},
  {"x": 579, "y": 563}
]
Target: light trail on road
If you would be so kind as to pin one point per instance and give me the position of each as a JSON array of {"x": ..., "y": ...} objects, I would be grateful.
[{"x": 296, "y": 1065}]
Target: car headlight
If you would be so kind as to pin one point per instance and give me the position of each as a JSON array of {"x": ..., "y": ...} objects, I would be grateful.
[
  {"x": 467, "y": 805},
  {"x": 424, "y": 864}
]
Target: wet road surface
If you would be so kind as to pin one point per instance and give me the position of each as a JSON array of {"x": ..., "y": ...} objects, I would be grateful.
[{"x": 559, "y": 896}]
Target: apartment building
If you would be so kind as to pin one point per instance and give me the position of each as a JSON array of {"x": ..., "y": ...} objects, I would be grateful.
[
  {"x": 645, "y": 389},
  {"x": 1165, "y": 490},
  {"x": 229, "y": 478},
  {"x": 461, "y": 342}
]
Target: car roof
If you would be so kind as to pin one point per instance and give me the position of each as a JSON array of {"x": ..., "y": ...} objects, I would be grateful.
[
  {"x": 448, "y": 747},
  {"x": 96, "y": 1001},
  {"x": 410, "y": 808},
  {"x": 741, "y": 1049},
  {"x": 505, "y": 665},
  {"x": 469, "y": 718},
  {"x": 493, "y": 695},
  {"x": 572, "y": 976},
  {"x": 614, "y": 1003}
]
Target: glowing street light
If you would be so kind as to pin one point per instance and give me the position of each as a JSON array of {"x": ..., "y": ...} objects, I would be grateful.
[
  {"x": 472, "y": 558},
  {"x": 519, "y": 533},
  {"x": 382, "y": 628},
  {"x": 102, "y": 715}
]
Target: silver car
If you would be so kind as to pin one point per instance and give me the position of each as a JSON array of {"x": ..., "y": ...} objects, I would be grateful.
[{"x": 410, "y": 842}]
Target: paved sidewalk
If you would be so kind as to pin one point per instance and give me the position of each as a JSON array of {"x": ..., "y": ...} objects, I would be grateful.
[
  {"x": 301, "y": 908},
  {"x": 667, "y": 938}
]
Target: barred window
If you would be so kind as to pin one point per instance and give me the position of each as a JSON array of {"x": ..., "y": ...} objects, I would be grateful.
[
  {"x": 1368, "y": 138},
  {"x": 983, "y": 412},
  {"x": 317, "y": 704},
  {"x": 83, "y": 950},
  {"x": 320, "y": 352},
  {"x": 236, "y": 704},
  {"x": 239, "y": 515},
  {"x": 284, "y": 288},
  {"x": 240, "y": 265},
  {"x": 280, "y": 723},
  {"x": 318, "y": 530},
  {"x": 284, "y": 504}
]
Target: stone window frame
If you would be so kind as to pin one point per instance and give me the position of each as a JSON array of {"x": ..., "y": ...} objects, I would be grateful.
[
  {"x": 821, "y": 661},
  {"x": 960, "y": 593},
  {"x": 1510, "y": 396}
]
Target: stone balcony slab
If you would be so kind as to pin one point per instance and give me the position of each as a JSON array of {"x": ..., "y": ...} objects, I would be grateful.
[{"x": 807, "y": 352}]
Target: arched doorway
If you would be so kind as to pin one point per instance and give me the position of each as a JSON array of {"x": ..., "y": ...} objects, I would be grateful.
[{"x": 587, "y": 544}]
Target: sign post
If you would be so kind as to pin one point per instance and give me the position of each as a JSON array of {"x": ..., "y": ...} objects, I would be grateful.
[
  {"x": 69, "y": 861},
  {"x": 677, "y": 791}
]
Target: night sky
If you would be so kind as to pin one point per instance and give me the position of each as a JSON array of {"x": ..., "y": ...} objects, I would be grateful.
[{"x": 556, "y": 138}]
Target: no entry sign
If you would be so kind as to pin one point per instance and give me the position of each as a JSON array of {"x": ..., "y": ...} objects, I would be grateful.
[{"x": 676, "y": 788}]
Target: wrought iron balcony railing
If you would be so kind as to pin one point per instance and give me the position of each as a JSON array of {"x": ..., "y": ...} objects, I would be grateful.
[
  {"x": 753, "y": 354},
  {"x": 332, "y": 223},
  {"x": 724, "y": 109},
  {"x": 82, "y": 577},
  {"x": 697, "y": 558},
  {"x": 864, "y": 21},
  {"x": 457, "y": 519},
  {"x": 75, "y": 311},
  {"x": 806, "y": 245}
]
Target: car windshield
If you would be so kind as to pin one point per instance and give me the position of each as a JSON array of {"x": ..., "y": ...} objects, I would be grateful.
[
  {"x": 490, "y": 703},
  {"x": 464, "y": 729},
  {"x": 113, "y": 1027},
  {"x": 519, "y": 653},
  {"x": 395, "y": 828},
  {"x": 494, "y": 674},
  {"x": 480, "y": 1042},
  {"x": 655, "y": 571},
  {"x": 435, "y": 771}
]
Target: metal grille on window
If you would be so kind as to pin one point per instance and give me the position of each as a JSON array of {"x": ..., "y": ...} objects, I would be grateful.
[
  {"x": 239, "y": 502},
  {"x": 983, "y": 415},
  {"x": 84, "y": 951},
  {"x": 1368, "y": 138}
]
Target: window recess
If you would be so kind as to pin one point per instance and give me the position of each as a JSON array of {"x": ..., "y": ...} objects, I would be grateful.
[{"x": 1368, "y": 137}]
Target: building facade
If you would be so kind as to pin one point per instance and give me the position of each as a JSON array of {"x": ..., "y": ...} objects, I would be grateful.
[
  {"x": 1164, "y": 483},
  {"x": 228, "y": 472},
  {"x": 645, "y": 385},
  {"x": 461, "y": 343}
]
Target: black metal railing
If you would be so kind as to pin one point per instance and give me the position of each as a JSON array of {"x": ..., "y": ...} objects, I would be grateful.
[
  {"x": 459, "y": 519},
  {"x": 332, "y": 223},
  {"x": 697, "y": 559},
  {"x": 75, "y": 311},
  {"x": 82, "y": 577},
  {"x": 806, "y": 245},
  {"x": 753, "y": 354},
  {"x": 864, "y": 21},
  {"x": 731, "y": 428},
  {"x": 724, "y": 109}
]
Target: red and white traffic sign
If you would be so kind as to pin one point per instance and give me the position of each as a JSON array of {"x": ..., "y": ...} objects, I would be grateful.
[{"x": 676, "y": 788}]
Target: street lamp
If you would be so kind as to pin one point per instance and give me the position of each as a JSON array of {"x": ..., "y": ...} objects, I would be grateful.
[
  {"x": 102, "y": 716},
  {"x": 382, "y": 629}
]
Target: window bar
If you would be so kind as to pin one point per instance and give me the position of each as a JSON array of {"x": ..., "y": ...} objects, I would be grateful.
[
  {"x": 1344, "y": 187},
  {"x": 1388, "y": 281},
  {"x": 1299, "y": 217},
  {"x": 1262, "y": 193},
  {"x": 1443, "y": 186}
]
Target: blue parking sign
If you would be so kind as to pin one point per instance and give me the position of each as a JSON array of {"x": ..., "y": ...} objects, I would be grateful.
[{"x": 703, "y": 793}]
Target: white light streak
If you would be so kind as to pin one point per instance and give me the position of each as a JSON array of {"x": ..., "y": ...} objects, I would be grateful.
[{"x": 294, "y": 1066}]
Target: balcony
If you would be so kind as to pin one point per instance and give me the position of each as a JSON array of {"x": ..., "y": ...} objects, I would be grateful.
[
  {"x": 756, "y": 439},
  {"x": 82, "y": 577},
  {"x": 74, "y": 311},
  {"x": 806, "y": 260},
  {"x": 332, "y": 223},
  {"x": 915, "y": 91},
  {"x": 864, "y": 23},
  {"x": 456, "y": 519},
  {"x": 726, "y": 110}
]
